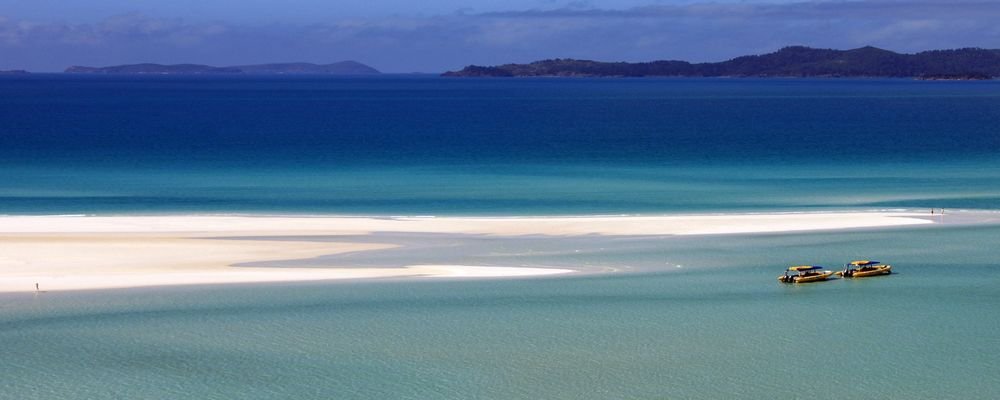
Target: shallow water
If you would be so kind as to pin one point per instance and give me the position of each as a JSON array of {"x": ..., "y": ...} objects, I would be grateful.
[{"x": 719, "y": 326}]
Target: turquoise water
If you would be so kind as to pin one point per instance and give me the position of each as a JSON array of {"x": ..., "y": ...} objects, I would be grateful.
[
  {"x": 718, "y": 327},
  {"x": 650, "y": 317}
]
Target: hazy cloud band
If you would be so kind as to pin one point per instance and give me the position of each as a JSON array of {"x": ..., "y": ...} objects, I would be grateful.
[{"x": 695, "y": 32}]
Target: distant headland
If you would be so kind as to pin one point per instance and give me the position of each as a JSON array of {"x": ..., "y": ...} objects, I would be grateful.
[
  {"x": 301, "y": 68},
  {"x": 793, "y": 61}
]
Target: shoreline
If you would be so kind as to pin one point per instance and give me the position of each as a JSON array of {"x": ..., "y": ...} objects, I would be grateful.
[{"x": 107, "y": 252}]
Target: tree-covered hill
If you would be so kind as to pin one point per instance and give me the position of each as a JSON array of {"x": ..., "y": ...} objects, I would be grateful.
[{"x": 793, "y": 61}]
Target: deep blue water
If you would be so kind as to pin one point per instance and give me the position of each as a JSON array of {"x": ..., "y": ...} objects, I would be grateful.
[{"x": 429, "y": 145}]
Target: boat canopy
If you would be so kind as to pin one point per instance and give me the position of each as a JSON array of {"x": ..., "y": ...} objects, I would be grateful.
[
  {"x": 804, "y": 267},
  {"x": 863, "y": 262}
]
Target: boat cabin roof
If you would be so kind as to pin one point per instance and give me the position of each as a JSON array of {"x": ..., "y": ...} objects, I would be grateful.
[
  {"x": 801, "y": 268},
  {"x": 863, "y": 262}
]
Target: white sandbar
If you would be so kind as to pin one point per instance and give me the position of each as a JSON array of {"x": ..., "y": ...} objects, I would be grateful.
[{"x": 83, "y": 252}]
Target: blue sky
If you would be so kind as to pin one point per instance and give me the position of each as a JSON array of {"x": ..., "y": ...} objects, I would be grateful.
[{"x": 438, "y": 35}]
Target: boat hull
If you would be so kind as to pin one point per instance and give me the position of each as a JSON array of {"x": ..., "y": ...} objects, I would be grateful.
[
  {"x": 806, "y": 279},
  {"x": 882, "y": 270}
]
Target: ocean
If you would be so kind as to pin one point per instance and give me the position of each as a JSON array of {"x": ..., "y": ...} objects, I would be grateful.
[
  {"x": 428, "y": 146},
  {"x": 651, "y": 317}
]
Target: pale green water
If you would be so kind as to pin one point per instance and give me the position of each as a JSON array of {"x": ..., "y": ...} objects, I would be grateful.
[{"x": 719, "y": 327}]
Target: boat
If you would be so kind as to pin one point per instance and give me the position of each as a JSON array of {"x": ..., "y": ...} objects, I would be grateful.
[
  {"x": 864, "y": 268},
  {"x": 805, "y": 274}
]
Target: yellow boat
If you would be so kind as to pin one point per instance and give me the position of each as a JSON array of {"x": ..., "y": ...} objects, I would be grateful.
[
  {"x": 805, "y": 274},
  {"x": 864, "y": 268}
]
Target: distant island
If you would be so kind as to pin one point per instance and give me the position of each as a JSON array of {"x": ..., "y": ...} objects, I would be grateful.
[
  {"x": 339, "y": 68},
  {"x": 793, "y": 61},
  {"x": 14, "y": 72},
  {"x": 301, "y": 68}
]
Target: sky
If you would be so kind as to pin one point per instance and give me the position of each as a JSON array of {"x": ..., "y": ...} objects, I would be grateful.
[{"x": 437, "y": 35}]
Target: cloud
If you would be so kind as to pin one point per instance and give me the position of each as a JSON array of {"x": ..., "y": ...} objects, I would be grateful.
[
  {"x": 770, "y": 10},
  {"x": 119, "y": 28},
  {"x": 697, "y": 32}
]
